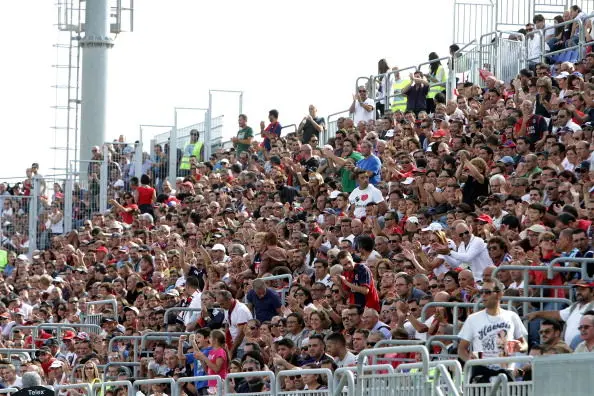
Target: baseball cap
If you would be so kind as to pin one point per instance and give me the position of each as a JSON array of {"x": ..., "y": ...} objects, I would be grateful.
[
  {"x": 485, "y": 218},
  {"x": 507, "y": 160},
  {"x": 83, "y": 336},
  {"x": 219, "y": 246},
  {"x": 133, "y": 309},
  {"x": 172, "y": 292},
  {"x": 413, "y": 219},
  {"x": 408, "y": 180},
  {"x": 509, "y": 144},
  {"x": 102, "y": 249},
  {"x": 22, "y": 257},
  {"x": 56, "y": 364},
  {"x": 68, "y": 335},
  {"x": 433, "y": 227},
  {"x": 562, "y": 75},
  {"x": 584, "y": 284}
]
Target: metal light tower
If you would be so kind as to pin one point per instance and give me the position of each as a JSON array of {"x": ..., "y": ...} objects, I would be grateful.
[{"x": 95, "y": 45}]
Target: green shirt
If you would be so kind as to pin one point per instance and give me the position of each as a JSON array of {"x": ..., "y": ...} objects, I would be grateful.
[
  {"x": 244, "y": 133},
  {"x": 348, "y": 184}
]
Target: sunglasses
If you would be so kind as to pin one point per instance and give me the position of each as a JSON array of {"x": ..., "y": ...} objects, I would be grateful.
[
  {"x": 294, "y": 377},
  {"x": 362, "y": 90},
  {"x": 433, "y": 286},
  {"x": 584, "y": 327},
  {"x": 371, "y": 344},
  {"x": 462, "y": 234}
]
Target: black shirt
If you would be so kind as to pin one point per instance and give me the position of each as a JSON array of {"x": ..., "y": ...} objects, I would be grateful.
[{"x": 310, "y": 130}]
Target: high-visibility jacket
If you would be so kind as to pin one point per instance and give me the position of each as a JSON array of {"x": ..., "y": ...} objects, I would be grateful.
[
  {"x": 435, "y": 89},
  {"x": 185, "y": 161},
  {"x": 399, "y": 100}
]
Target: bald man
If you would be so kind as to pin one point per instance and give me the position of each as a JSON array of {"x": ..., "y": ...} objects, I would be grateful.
[
  {"x": 488, "y": 273},
  {"x": 467, "y": 285},
  {"x": 471, "y": 253}
]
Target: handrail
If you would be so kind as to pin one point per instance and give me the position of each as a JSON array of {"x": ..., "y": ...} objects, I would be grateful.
[
  {"x": 343, "y": 374},
  {"x": 489, "y": 361},
  {"x": 386, "y": 343},
  {"x": 579, "y": 260},
  {"x": 440, "y": 370},
  {"x": 19, "y": 327},
  {"x": 203, "y": 378},
  {"x": 73, "y": 326},
  {"x": 157, "y": 335},
  {"x": 290, "y": 125},
  {"x": 421, "y": 350},
  {"x": 326, "y": 133},
  {"x": 168, "y": 311},
  {"x": 269, "y": 374},
  {"x": 456, "y": 306},
  {"x": 500, "y": 382},
  {"x": 112, "y": 302},
  {"x": 320, "y": 371},
  {"x": 454, "y": 364},
  {"x": 86, "y": 386},
  {"x": 115, "y": 339},
  {"x": 8, "y": 390},
  {"x": 170, "y": 381},
  {"x": 284, "y": 290},
  {"x": 125, "y": 383},
  {"x": 124, "y": 365}
]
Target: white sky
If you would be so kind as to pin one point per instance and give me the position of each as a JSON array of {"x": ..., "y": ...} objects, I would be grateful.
[{"x": 282, "y": 54}]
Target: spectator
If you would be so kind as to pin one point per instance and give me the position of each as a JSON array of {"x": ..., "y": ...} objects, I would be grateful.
[
  {"x": 263, "y": 301},
  {"x": 586, "y": 329}
]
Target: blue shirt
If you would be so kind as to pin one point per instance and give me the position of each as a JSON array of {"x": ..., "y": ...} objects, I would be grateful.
[
  {"x": 372, "y": 164},
  {"x": 198, "y": 368},
  {"x": 265, "y": 308}
]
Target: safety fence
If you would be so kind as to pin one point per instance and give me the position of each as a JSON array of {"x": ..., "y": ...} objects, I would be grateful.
[
  {"x": 500, "y": 52},
  {"x": 371, "y": 376}
]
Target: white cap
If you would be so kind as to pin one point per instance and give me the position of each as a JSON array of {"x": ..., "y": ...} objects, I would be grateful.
[
  {"x": 119, "y": 183},
  {"x": 413, "y": 219},
  {"x": 56, "y": 364},
  {"x": 334, "y": 194},
  {"x": 218, "y": 246},
  {"x": 22, "y": 257},
  {"x": 433, "y": 227},
  {"x": 408, "y": 180},
  {"x": 562, "y": 75}
]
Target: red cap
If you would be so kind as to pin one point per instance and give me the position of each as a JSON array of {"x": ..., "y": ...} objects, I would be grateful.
[
  {"x": 439, "y": 133},
  {"x": 188, "y": 184},
  {"x": 486, "y": 218},
  {"x": 102, "y": 249},
  {"x": 69, "y": 335},
  {"x": 584, "y": 284}
]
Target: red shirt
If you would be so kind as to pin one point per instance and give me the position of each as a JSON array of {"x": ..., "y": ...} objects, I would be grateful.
[
  {"x": 145, "y": 195},
  {"x": 127, "y": 217}
]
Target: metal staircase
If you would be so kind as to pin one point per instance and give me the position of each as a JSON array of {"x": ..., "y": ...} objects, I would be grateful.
[
  {"x": 473, "y": 18},
  {"x": 67, "y": 86},
  {"x": 71, "y": 26}
]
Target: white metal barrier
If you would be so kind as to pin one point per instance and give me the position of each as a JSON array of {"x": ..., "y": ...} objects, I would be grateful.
[
  {"x": 327, "y": 390},
  {"x": 394, "y": 382},
  {"x": 267, "y": 377},
  {"x": 519, "y": 388}
]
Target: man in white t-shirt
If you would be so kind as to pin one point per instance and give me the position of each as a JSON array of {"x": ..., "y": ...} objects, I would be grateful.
[
  {"x": 237, "y": 314},
  {"x": 336, "y": 347},
  {"x": 363, "y": 108},
  {"x": 491, "y": 332},
  {"x": 365, "y": 194},
  {"x": 572, "y": 314}
]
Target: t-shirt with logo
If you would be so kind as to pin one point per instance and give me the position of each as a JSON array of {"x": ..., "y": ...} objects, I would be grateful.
[
  {"x": 243, "y": 134},
  {"x": 361, "y": 198},
  {"x": 488, "y": 335}
]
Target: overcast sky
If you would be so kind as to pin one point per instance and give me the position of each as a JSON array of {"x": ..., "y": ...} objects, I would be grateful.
[{"x": 282, "y": 54}]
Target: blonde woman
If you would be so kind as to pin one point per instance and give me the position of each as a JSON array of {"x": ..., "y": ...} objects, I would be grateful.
[{"x": 473, "y": 173}]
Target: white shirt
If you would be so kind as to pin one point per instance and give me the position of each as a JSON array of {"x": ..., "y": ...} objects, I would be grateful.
[
  {"x": 360, "y": 198},
  {"x": 413, "y": 333},
  {"x": 191, "y": 317},
  {"x": 476, "y": 256},
  {"x": 349, "y": 360},
  {"x": 361, "y": 114},
  {"x": 240, "y": 315},
  {"x": 572, "y": 321},
  {"x": 489, "y": 334}
]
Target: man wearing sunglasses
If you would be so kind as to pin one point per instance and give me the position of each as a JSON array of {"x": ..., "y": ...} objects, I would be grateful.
[
  {"x": 472, "y": 252},
  {"x": 491, "y": 332},
  {"x": 362, "y": 106}
]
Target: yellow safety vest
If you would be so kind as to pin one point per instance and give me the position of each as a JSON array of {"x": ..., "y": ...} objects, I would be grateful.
[
  {"x": 3, "y": 259},
  {"x": 435, "y": 89},
  {"x": 185, "y": 161},
  {"x": 399, "y": 101}
]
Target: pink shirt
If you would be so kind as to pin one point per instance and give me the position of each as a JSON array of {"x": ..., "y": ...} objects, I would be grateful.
[{"x": 213, "y": 355}]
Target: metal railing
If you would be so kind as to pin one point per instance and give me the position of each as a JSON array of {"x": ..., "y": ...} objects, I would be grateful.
[
  {"x": 415, "y": 383},
  {"x": 329, "y": 391},
  {"x": 267, "y": 376},
  {"x": 283, "y": 292},
  {"x": 514, "y": 388}
]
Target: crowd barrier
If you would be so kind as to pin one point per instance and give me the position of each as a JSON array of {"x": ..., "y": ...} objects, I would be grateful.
[{"x": 516, "y": 388}]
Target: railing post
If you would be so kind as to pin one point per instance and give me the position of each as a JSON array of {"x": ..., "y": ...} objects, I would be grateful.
[
  {"x": 68, "y": 188},
  {"x": 34, "y": 215},
  {"x": 103, "y": 180}
]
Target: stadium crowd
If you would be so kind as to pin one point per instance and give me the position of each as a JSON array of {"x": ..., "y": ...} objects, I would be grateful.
[{"x": 415, "y": 200}]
